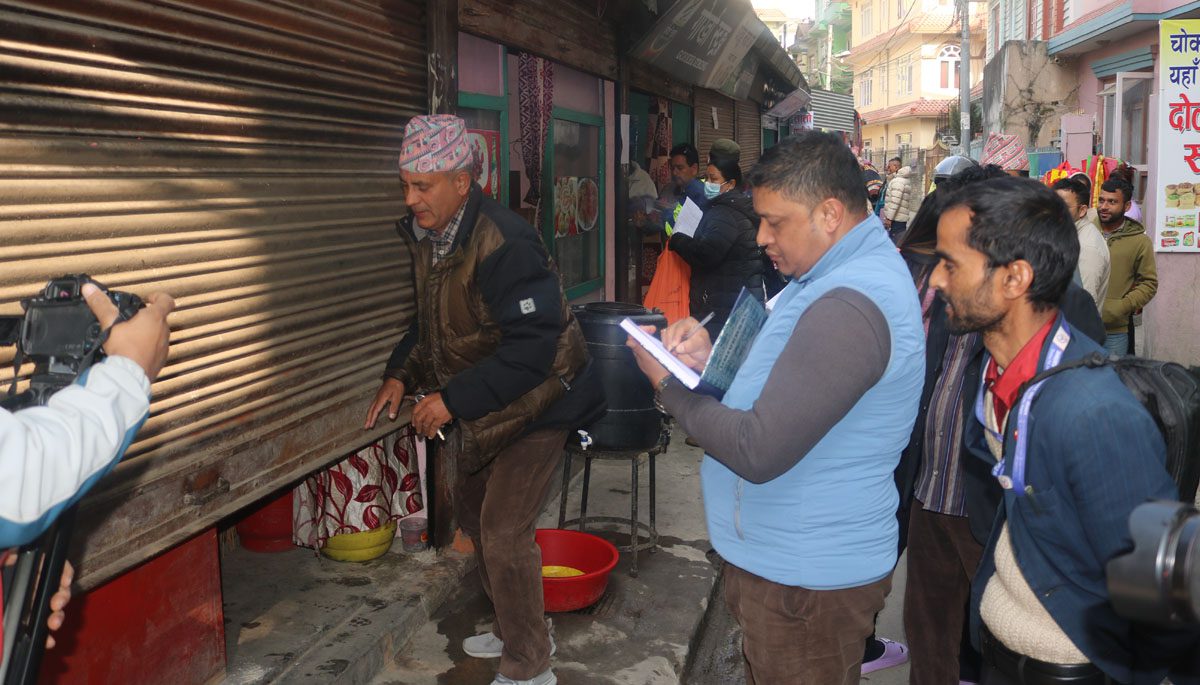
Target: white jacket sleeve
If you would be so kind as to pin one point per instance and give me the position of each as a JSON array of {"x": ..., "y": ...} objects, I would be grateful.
[{"x": 50, "y": 456}]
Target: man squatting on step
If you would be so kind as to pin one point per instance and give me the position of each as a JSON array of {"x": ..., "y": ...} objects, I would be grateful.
[{"x": 505, "y": 372}]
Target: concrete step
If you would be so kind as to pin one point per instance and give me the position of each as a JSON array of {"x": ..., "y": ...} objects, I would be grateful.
[{"x": 295, "y": 617}]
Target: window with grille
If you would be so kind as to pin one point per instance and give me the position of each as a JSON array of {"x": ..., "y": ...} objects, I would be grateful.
[
  {"x": 904, "y": 75},
  {"x": 866, "y": 20},
  {"x": 948, "y": 62},
  {"x": 865, "y": 83}
]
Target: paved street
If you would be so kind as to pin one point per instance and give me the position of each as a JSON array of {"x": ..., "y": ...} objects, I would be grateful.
[
  {"x": 657, "y": 629},
  {"x": 719, "y": 661}
]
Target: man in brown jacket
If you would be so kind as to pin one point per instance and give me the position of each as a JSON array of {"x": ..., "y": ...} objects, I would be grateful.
[
  {"x": 504, "y": 373},
  {"x": 1133, "y": 277}
]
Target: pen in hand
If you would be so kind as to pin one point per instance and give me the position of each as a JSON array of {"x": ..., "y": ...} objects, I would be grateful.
[{"x": 692, "y": 331}]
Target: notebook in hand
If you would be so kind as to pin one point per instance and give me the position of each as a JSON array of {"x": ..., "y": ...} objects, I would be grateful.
[{"x": 729, "y": 351}]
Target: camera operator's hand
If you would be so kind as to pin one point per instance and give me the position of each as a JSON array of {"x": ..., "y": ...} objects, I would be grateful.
[
  {"x": 142, "y": 338},
  {"x": 389, "y": 396},
  {"x": 58, "y": 602}
]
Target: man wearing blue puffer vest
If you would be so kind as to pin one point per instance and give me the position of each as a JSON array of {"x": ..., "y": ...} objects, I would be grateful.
[{"x": 797, "y": 477}]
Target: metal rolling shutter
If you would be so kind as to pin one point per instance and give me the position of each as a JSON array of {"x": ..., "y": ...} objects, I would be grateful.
[
  {"x": 706, "y": 100},
  {"x": 242, "y": 156},
  {"x": 749, "y": 132},
  {"x": 832, "y": 111}
]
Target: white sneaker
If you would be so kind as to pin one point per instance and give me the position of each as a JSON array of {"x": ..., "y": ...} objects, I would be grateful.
[
  {"x": 484, "y": 646},
  {"x": 488, "y": 646},
  {"x": 545, "y": 678}
]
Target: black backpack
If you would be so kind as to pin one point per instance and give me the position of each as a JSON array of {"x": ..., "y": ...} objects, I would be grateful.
[{"x": 1171, "y": 394}]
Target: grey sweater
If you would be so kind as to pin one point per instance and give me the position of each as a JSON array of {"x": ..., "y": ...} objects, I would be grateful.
[{"x": 838, "y": 351}]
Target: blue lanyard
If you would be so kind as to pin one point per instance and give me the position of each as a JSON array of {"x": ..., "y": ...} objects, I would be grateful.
[{"x": 1016, "y": 482}]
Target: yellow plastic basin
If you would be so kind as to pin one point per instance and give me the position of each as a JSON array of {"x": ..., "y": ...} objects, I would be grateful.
[{"x": 362, "y": 546}]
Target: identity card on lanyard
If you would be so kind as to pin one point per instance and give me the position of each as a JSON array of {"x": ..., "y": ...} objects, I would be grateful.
[{"x": 1016, "y": 483}]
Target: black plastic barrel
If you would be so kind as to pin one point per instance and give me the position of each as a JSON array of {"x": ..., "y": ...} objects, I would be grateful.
[{"x": 632, "y": 421}]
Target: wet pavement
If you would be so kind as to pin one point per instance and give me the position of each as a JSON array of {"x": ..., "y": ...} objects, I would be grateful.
[
  {"x": 400, "y": 620},
  {"x": 294, "y": 617},
  {"x": 639, "y": 633}
]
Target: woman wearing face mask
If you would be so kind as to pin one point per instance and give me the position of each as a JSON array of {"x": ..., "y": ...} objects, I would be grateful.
[{"x": 724, "y": 254}]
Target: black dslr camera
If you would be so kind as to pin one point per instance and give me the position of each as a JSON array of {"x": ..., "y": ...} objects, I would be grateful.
[
  {"x": 60, "y": 335},
  {"x": 1158, "y": 581}
]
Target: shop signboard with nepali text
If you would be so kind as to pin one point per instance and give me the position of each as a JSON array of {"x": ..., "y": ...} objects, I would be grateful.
[
  {"x": 1178, "y": 136},
  {"x": 707, "y": 43}
]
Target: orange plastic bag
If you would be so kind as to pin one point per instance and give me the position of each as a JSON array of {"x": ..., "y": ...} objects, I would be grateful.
[{"x": 669, "y": 288}]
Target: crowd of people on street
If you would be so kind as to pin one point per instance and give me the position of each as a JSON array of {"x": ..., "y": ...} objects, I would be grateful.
[
  {"x": 920, "y": 357},
  {"x": 872, "y": 414},
  {"x": 884, "y": 406}
]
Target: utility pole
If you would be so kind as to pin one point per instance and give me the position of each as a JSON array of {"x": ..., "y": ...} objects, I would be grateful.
[
  {"x": 964, "y": 85},
  {"x": 829, "y": 57}
]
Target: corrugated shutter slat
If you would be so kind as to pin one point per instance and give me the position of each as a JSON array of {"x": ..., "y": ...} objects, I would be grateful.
[
  {"x": 749, "y": 132},
  {"x": 240, "y": 154},
  {"x": 706, "y": 100}
]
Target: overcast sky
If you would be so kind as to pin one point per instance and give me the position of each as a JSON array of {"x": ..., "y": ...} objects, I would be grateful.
[{"x": 794, "y": 9}]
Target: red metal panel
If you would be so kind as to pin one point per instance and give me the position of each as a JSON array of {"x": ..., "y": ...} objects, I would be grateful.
[{"x": 159, "y": 623}]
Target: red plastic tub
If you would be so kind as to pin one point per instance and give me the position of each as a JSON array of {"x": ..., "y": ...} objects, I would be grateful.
[{"x": 595, "y": 556}]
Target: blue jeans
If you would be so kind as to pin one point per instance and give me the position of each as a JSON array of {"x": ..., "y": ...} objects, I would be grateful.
[{"x": 1117, "y": 343}]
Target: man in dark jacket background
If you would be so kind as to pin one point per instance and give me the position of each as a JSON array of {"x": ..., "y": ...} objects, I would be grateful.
[
  {"x": 505, "y": 374},
  {"x": 724, "y": 252}
]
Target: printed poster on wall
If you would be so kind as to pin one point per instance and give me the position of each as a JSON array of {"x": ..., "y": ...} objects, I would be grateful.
[
  {"x": 1178, "y": 137},
  {"x": 576, "y": 205},
  {"x": 488, "y": 170}
]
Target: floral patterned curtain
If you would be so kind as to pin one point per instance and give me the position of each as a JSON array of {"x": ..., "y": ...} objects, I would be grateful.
[
  {"x": 535, "y": 98},
  {"x": 375, "y": 485}
]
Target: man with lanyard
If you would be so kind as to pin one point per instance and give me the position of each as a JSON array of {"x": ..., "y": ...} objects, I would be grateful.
[
  {"x": 504, "y": 374},
  {"x": 1074, "y": 454},
  {"x": 686, "y": 184}
]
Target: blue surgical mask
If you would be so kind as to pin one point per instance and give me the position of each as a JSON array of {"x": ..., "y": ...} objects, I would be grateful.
[{"x": 711, "y": 189}]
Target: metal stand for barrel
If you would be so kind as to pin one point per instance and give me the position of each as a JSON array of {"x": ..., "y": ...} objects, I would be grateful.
[{"x": 635, "y": 525}]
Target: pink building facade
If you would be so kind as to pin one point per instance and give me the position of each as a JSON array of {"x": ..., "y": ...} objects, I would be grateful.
[{"x": 1114, "y": 46}]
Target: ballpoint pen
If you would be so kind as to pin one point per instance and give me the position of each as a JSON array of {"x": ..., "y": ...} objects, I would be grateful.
[
  {"x": 692, "y": 331},
  {"x": 417, "y": 400}
]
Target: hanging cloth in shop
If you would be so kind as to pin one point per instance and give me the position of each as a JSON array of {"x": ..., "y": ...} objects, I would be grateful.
[
  {"x": 660, "y": 141},
  {"x": 535, "y": 98}
]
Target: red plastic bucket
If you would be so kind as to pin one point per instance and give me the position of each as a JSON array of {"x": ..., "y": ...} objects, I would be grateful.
[
  {"x": 270, "y": 528},
  {"x": 595, "y": 556}
]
